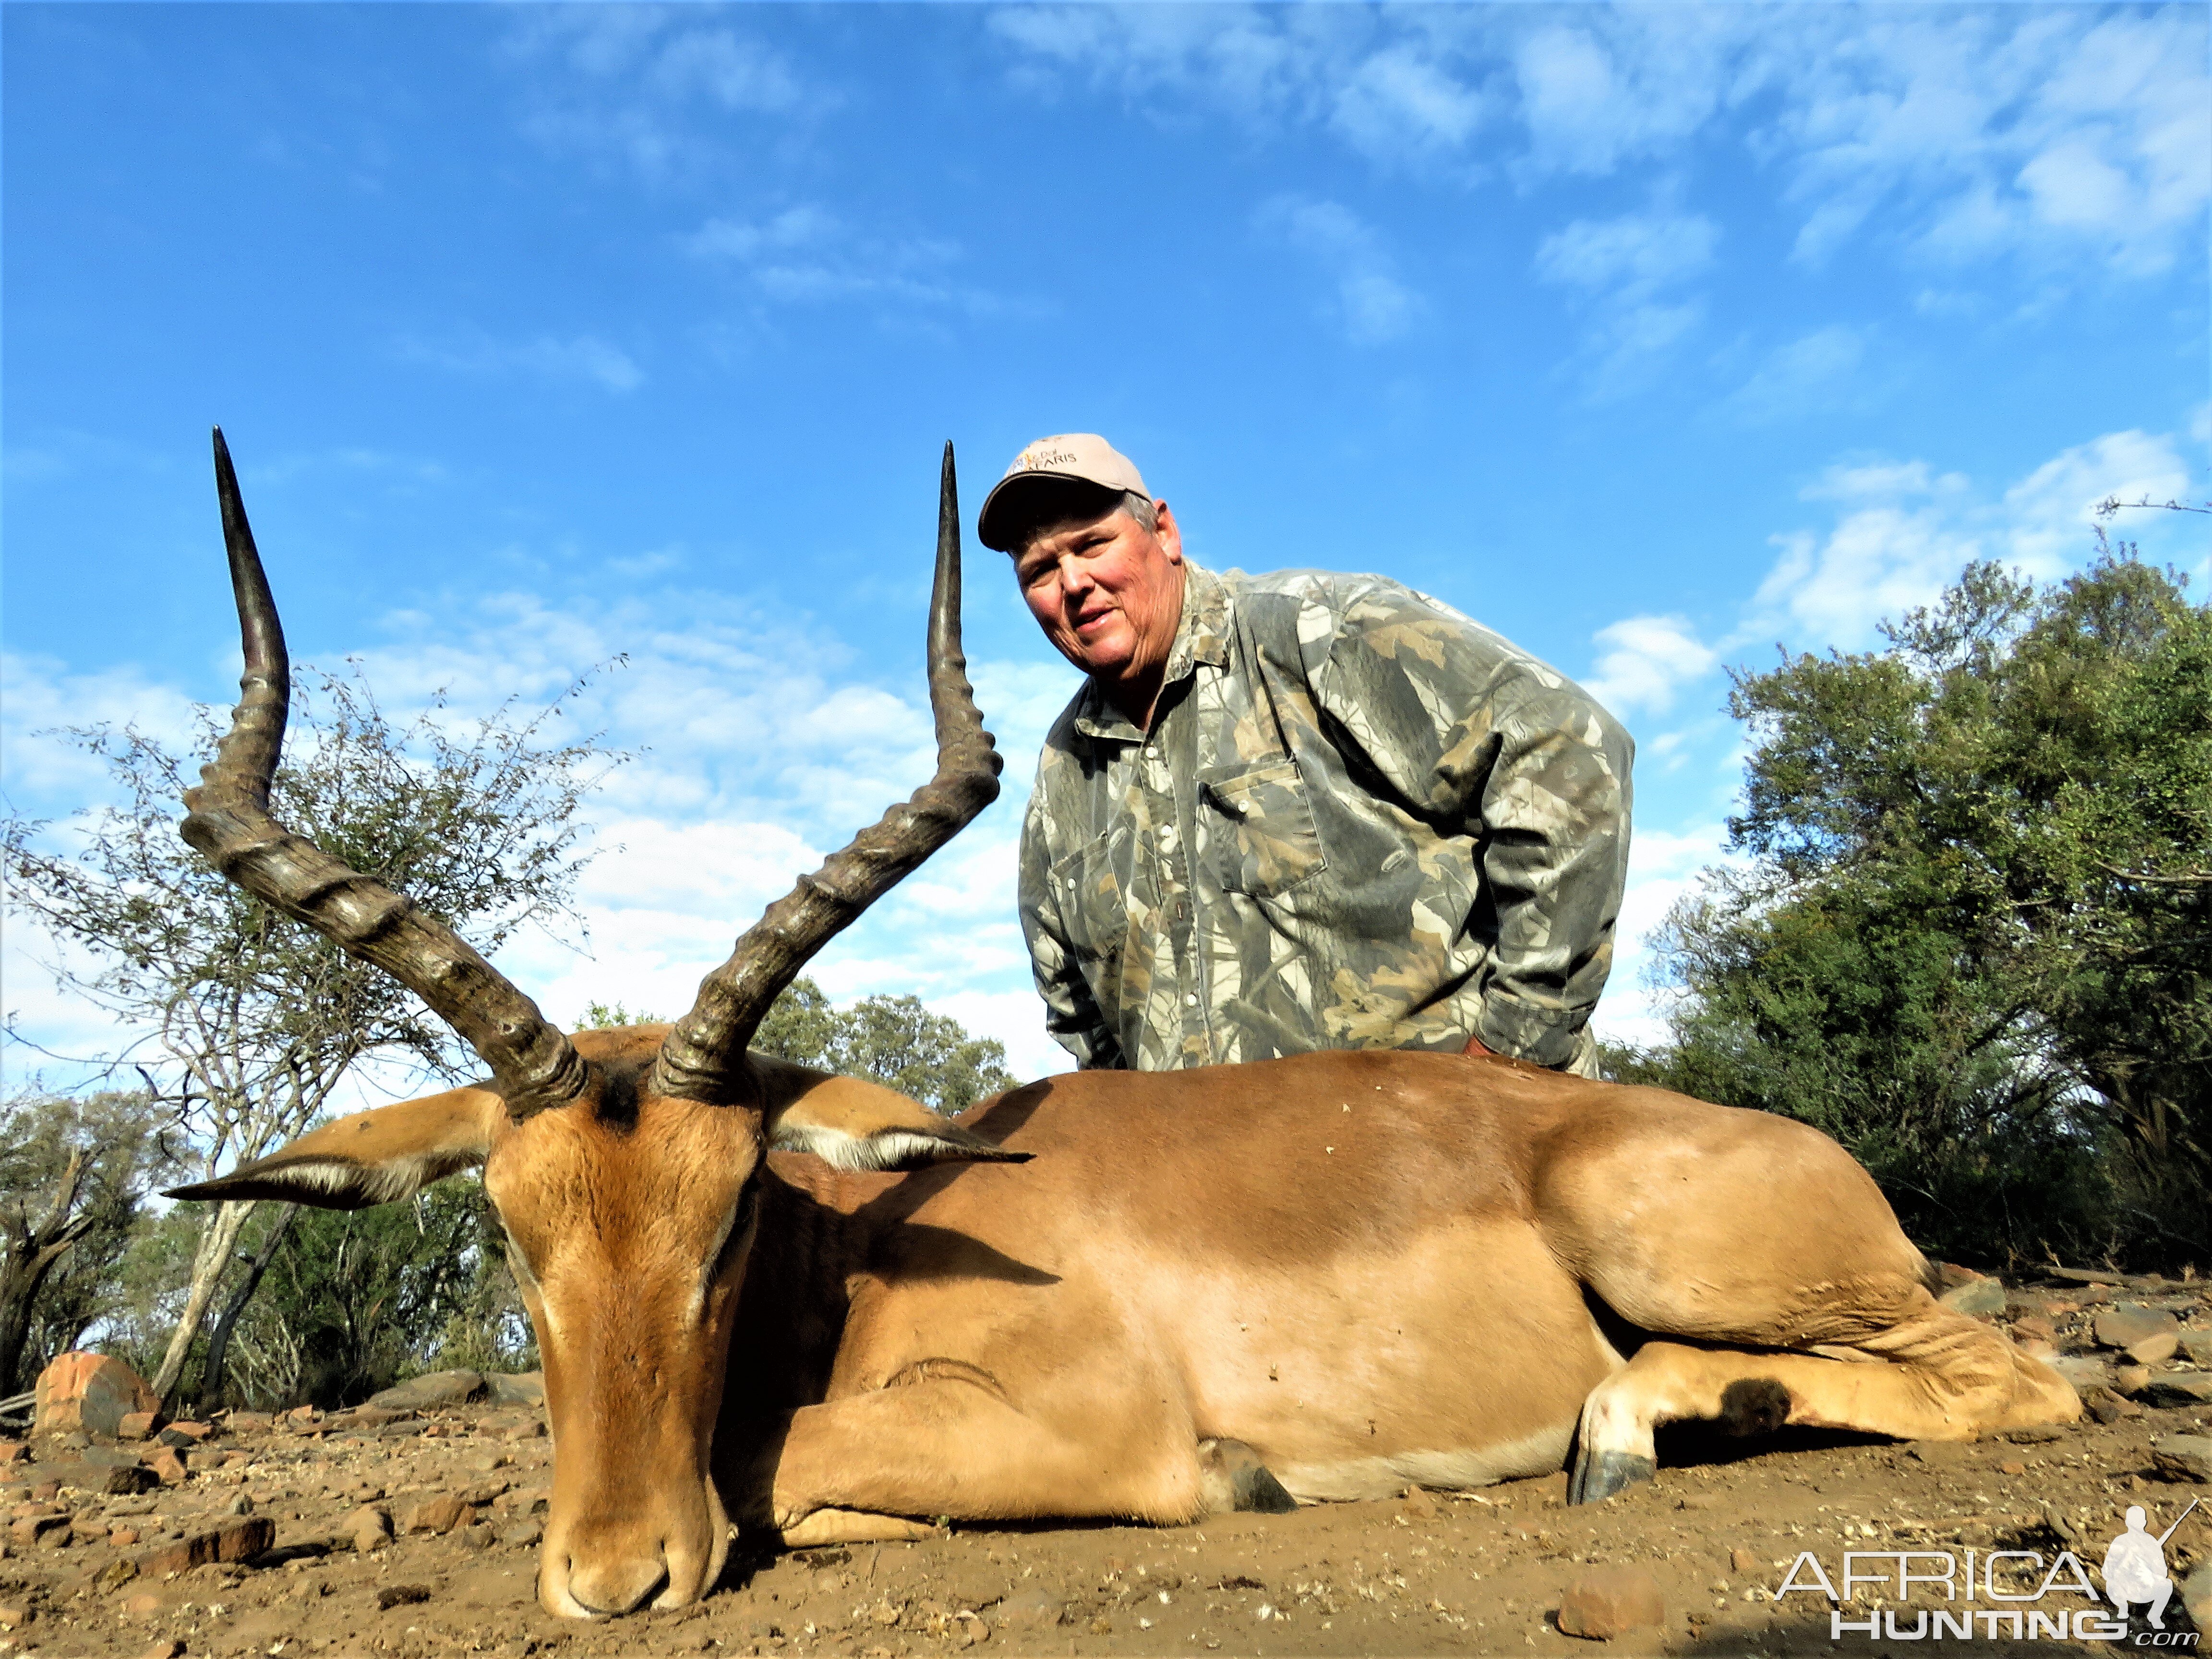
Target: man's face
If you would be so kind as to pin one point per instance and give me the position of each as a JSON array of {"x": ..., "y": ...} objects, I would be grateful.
[{"x": 1109, "y": 594}]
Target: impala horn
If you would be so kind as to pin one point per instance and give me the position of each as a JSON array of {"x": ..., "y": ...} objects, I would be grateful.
[
  {"x": 532, "y": 1065},
  {"x": 703, "y": 1056}
]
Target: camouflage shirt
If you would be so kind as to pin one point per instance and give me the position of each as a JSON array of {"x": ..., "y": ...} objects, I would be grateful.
[{"x": 1360, "y": 821}]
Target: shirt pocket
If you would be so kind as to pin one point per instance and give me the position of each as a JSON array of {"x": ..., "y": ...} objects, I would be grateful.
[
  {"x": 1093, "y": 910},
  {"x": 1265, "y": 840}
]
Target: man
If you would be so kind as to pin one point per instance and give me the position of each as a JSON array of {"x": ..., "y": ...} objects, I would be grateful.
[
  {"x": 2135, "y": 1567},
  {"x": 1299, "y": 810}
]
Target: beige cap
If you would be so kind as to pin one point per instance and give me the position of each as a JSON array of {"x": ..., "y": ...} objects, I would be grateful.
[{"x": 1084, "y": 456}]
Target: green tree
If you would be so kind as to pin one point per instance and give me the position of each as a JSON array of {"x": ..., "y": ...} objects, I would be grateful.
[
  {"x": 1972, "y": 934},
  {"x": 74, "y": 1174},
  {"x": 893, "y": 1041},
  {"x": 252, "y": 1020}
]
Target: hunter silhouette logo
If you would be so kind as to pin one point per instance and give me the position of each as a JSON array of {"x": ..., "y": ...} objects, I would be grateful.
[
  {"x": 1984, "y": 1595},
  {"x": 2135, "y": 1566}
]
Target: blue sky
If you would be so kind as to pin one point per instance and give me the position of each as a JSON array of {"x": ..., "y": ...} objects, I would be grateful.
[{"x": 1654, "y": 337}]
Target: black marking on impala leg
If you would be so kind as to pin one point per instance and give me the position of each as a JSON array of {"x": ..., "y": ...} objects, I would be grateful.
[
  {"x": 1754, "y": 1405},
  {"x": 1600, "y": 1476}
]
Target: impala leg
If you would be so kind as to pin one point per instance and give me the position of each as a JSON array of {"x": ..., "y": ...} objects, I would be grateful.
[
  {"x": 1936, "y": 1375},
  {"x": 952, "y": 1448}
]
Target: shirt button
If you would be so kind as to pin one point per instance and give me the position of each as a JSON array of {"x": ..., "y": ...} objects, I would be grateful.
[
  {"x": 1167, "y": 836},
  {"x": 1190, "y": 999}
]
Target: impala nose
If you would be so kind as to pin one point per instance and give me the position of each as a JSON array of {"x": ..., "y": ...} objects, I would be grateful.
[{"x": 608, "y": 1587}]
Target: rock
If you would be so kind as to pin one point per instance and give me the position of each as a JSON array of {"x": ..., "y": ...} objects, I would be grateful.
[
  {"x": 2184, "y": 1457},
  {"x": 476, "y": 1536},
  {"x": 2126, "y": 1323},
  {"x": 2082, "y": 1275},
  {"x": 1977, "y": 1298},
  {"x": 431, "y": 1391},
  {"x": 440, "y": 1514},
  {"x": 13, "y": 1615},
  {"x": 517, "y": 1389},
  {"x": 2155, "y": 1350},
  {"x": 165, "y": 1648},
  {"x": 522, "y": 1534},
  {"x": 1418, "y": 1505},
  {"x": 88, "y": 1393},
  {"x": 2033, "y": 1328},
  {"x": 185, "y": 1435},
  {"x": 1604, "y": 1602},
  {"x": 114, "y": 1576},
  {"x": 1939, "y": 1453},
  {"x": 2108, "y": 1407},
  {"x": 39, "y": 1531},
  {"x": 2180, "y": 1390},
  {"x": 137, "y": 1426},
  {"x": 248, "y": 1422},
  {"x": 168, "y": 1466},
  {"x": 13, "y": 1451},
  {"x": 1742, "y": 1561},
  {"x": 401, "y": 1596},
  {"x": 234, "y": 1540},
  {"x": 105, "y": 1480},
  {"x": 368, "y": 1528},
  {"x": 144, "y": 1605},
  {"x": 2196, "y": 1348},
  {"x": 2036, "y": 1434},
  {"x": 1035, "y": 1609},
  {"x": 2197, "y": 1595},
  {"x": 2130, "y": 1379},
  {"x": 2081, "y": 1371}
]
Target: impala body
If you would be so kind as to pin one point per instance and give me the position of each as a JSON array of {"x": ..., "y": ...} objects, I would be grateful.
[{"x": 773, "y": 1298}]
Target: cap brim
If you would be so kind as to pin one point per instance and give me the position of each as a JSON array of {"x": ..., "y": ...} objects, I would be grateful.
[{"x": 992, "y": 522}]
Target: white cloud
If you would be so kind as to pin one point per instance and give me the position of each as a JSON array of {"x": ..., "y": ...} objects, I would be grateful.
[
  {"x": 632, "y": 85},
  {"x": 2050, "y": 135},
  {"x": 1905, "y": 531},
  {"x": 1629, "y": 270},
  {"x": 1664, "y": 865},
  {"x": 805, "y": 254},
  {"x": 579, "y": 357},
  {"x": 1817, "y": 370},
  {"x": 1645, "y": 659},
  {"x": 1371, "y": 303}
]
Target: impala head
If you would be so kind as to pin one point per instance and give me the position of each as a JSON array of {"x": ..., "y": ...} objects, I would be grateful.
[{"x": 625, "y": 1164}]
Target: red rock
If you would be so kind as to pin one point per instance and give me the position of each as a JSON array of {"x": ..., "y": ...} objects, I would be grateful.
[
  {"x": 435, "y": 1515},
  {"x": 1603, "y": 1603},
  {"x": 49, "y": 1531},
  {"x": 144, "y": 1605},
  {"x": 2125, "y": 1324},
  {"x": 167, "y": 1648},
  {"x": 2034, "y": 1329},
  {"x": 123, "y": 1537},
  {"x": 187, "y": 1433},
  {"x": 234, "y": 1540},
  {"x": 13, "y": 1451},
  {"x": 1742, "y": 1561},
  {"x": 13, "y": 1615},
  {"x": 91, "y": 1393},
  {"x": 167, "y": 1466}
]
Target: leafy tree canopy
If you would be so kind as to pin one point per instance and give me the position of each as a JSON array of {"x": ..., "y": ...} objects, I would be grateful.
[{"x": 1972, "y": 936}]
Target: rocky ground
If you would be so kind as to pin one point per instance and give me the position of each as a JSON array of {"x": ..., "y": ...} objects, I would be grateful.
[{"x": 413, "y": 1532}]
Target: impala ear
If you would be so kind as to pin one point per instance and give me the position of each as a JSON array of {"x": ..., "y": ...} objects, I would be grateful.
[
  {"x": 376, "y": 1157},
  {"x": 853, "y": 1125}
]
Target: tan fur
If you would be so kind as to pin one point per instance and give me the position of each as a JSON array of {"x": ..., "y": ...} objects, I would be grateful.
[{"x": 1365, "y": 1268}]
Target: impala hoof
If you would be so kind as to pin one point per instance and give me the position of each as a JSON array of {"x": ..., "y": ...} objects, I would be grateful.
[
  {"x": 1600, "y": 1477},
  {"x": 1258, "y": 1492}
]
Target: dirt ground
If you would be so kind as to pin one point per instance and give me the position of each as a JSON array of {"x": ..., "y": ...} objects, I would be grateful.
[{"x": 1425, "y": 1573}]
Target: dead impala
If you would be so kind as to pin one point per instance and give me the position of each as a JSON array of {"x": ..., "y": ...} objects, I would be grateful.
[{"x": 1318, "y": 1278}]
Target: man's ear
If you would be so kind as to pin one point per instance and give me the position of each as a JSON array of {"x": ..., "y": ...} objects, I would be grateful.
[
  {"x": 853, "y": 1125},
  {"x": 1168, "y": 532},
  {"x": 377, "y": 1157}
]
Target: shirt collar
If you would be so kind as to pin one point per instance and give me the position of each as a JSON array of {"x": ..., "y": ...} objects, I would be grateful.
[{"x": 1201, "y": 636}]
